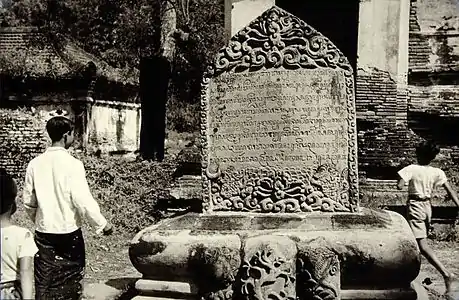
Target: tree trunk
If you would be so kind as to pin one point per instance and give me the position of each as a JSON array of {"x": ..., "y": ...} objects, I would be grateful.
[
  {"x": 154, "y": 85},
  {"x": 168, "y": 29}
]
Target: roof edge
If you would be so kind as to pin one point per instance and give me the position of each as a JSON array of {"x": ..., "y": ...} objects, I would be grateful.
[{"x": 22, "y": 29}]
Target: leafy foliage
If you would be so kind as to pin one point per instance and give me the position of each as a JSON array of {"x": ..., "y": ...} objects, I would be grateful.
[
  {"x": 118, "y": 32},
  {"x": 122, "y": 32},
  {"x": 127, "y": 191}
]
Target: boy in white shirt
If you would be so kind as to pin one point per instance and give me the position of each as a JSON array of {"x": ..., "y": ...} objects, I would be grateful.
[
  {"x": 18, "y": 247},
  {"x": 57, "y": 196},
  {"x": 422, "y": 179}
]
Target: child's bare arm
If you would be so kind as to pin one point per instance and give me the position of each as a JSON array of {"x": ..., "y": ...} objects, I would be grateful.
[
  {"x": 451, "y": 193},
  {"x": 26, "y": 273},
  {"x": 401, "y": 184},
  {"x": 28, "y": 196}
]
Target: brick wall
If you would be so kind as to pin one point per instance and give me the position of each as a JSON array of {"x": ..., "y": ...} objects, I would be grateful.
[
  {"x": 22, "y": 137},
  {"x": 391, "y": 124},
  {"x": 385, "y": 143},
  {"x": 419, "y": 49},
  {"x": 433, "y": 104}
]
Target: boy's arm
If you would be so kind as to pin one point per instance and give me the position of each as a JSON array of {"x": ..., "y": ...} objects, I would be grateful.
[
  {"x": 28, "y": 194},
  {"x": 401, "y": 183},
  {"x": 84, "y": 201},
  {"x": 451, "y": 192},
  {"x": 26, "y": 275},
  {"x": 27, "y": 250},
  {"x": 405, "y": 176}
]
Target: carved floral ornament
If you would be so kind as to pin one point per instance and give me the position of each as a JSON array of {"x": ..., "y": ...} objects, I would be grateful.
[{"x": 277, "y": 39}]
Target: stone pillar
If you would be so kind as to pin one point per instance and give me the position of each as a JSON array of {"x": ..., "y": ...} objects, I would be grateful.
[
  {"x": 381, "y": 84},
  {"x": 239, "y": 13},
  {"x": 383, "y": 46},
  {"x": 402, "y": 64},
  {"x": 380, "y": 34}
]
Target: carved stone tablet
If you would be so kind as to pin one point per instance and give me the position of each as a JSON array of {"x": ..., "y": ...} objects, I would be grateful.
[{"x": 278, "y": 122}]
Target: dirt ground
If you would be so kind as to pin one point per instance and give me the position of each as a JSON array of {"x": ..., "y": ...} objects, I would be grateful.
[{"x": 448, "y": 254}]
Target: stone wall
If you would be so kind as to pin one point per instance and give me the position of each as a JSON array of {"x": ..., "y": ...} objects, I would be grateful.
[
  {"x": 107, "y": 126},
  {"x": 22, "y": 137},
  {"x": 113, "y": 126}
]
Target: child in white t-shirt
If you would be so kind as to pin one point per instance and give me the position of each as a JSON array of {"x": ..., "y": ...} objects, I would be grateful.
[
  {"x": 422, "y": 179},
  {"x": 18, "y": 247}
]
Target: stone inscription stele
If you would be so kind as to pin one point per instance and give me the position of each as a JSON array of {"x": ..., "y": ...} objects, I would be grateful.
[
  {"x": 278, "y": 118},
  {"x": 278, "y": 122}
]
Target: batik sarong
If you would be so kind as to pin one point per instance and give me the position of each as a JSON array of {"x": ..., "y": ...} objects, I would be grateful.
[
  {"x": 59, "y": 266},
  {"x": 10, "y": 290}
]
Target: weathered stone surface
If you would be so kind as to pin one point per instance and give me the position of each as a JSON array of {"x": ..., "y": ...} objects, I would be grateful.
[
  {"x": 22, "y": 137},
  {"x": 189, "y": 161},
  {"x": 158, "y": 298},
  {"x": 268, "y": 268},
  {"x": 101, "y": 291},
  {"x": 375, "y": 248},
  {"x": 391, "y": 294},
  {"x": 164, "y": 253},
  {"x": 278, "y": 122},
  {"x": 185, "y": 188},
  {"x": 319, "y": 275},
  {"x": 145, "y": 286}
]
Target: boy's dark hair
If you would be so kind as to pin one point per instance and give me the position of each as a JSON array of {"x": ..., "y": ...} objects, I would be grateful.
[
  {"x": 426, "y": 152},
  {"x": 57, "y": 127},
  {"x": 8, "y": 192}
]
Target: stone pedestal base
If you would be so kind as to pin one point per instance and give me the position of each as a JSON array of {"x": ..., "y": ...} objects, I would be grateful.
[
  {"x": 166, "y": 290},
  {"x": 371, "y": 255}
]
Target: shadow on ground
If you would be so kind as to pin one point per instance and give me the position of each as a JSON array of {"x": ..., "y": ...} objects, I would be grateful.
[
  {"x": 127, "y": 285},
  {"x": 112, "y": 289}
]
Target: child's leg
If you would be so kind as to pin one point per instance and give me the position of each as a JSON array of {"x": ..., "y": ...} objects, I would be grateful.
[
  {"x": 419, "y": 216},
  {"x": 433, "y": 259}
]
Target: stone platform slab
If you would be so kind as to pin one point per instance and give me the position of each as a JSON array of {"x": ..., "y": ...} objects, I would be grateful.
[{"x": 297, "y": 255}]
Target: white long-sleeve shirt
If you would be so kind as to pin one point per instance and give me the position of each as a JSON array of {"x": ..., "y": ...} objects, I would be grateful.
[{"x": 56, "y": 194}]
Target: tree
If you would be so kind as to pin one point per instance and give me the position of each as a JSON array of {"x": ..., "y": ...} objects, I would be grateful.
[
  {"x": 186, "y": 33},
  {"x": 118, "y": 32}
]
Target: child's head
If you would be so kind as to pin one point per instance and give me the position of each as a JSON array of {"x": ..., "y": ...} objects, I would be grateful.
[
  {"x": 60, "y": 129},
  {"x": 426, "y": 152},
  {"x": 8, "y": 193}
]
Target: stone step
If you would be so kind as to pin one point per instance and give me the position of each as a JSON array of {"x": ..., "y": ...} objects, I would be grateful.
[
  {"x": 154, "y": 289},
  {"x": 393, "y": 294},
  {"x": 156, "y": 298},
  {"x": 101, "y": 291},
  {"x": 146, "y": 286}
]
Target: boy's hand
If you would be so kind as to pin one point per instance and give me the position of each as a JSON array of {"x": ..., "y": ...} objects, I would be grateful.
[{"x": 108, "y": 229}]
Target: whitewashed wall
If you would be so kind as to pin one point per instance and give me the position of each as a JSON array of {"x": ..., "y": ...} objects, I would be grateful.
[{"x": 113, "y": 126}]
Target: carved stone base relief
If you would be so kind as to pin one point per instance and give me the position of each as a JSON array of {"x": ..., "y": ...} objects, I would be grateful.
[
  {"x": 268, "y": 269},
  {"x": 318, "y": 269}
]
